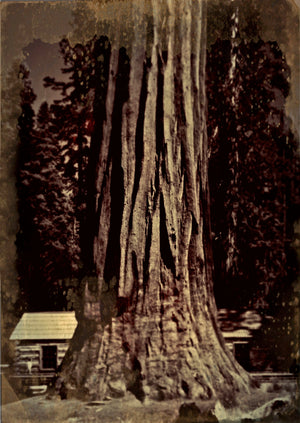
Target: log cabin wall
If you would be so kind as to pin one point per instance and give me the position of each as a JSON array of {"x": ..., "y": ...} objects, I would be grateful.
[{"x": 29, "y": 356}]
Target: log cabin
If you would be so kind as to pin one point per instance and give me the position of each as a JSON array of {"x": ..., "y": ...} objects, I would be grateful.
[{"x": 41, "y": 341}]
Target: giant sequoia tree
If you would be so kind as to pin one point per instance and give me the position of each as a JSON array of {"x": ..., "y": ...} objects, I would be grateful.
[{"x": 148, "y": 322}]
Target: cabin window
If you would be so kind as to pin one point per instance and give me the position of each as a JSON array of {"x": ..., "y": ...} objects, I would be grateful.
[{"x": 49, "y": 357}]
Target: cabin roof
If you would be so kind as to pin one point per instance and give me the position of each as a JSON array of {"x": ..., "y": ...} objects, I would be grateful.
[{"x": 45, "y": 325}]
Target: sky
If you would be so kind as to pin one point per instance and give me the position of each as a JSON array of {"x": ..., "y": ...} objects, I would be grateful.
[{"x": 51, "y": 65}]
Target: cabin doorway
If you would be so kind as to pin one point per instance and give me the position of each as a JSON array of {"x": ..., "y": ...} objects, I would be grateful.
[{"x": 49, "y": 357}]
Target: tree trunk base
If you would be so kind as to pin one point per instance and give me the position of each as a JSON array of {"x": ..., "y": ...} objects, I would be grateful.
[{"x": 153, "y": 357}]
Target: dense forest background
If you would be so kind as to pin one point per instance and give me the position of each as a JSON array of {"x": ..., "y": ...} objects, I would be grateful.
[{"x": 253, "y": 167}]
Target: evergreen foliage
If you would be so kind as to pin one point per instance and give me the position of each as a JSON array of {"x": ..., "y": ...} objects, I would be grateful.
[
  {"x": 46, "y": 241},
  {"x": 253, "y": 168}
]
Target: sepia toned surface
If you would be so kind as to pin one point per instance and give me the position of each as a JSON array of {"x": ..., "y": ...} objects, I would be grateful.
[{"x": 153, "y": 215}]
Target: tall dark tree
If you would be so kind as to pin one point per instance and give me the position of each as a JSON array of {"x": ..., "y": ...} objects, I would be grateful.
[
  {"x": 26, "y": 232},
  {"x": 46, "y": 245},
  {"x": 83, "y": 98},
  {"x": 252, "y": 170},
  {"x": 58, "y": 157},
  {"x": 148, "y": 323}
]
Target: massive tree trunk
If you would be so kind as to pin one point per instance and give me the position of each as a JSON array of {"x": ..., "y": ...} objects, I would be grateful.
[{"x": 148, "y": 324}]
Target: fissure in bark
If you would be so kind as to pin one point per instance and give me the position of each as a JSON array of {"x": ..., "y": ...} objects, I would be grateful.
[{"x": 150, "y": 325}]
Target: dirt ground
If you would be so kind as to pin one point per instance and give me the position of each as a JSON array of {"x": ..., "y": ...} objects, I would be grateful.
[
  {"x": 127, "y": 410},
  {"x": 46, "y": 409}
]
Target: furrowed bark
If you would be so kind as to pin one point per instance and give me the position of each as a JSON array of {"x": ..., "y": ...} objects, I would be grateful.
[{"x": 152, "y": 318}]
